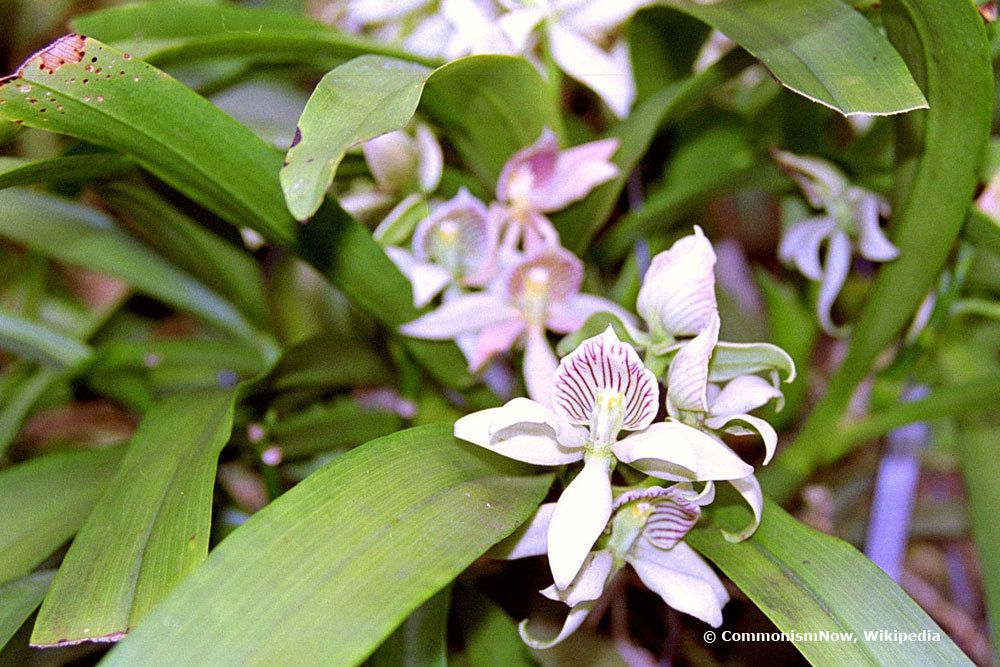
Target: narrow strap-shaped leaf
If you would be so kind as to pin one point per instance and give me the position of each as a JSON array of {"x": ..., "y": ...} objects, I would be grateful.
[
  {"x": 946, "y": 46},
  {"x": 75, "y": 168},
  {"x": 45, "y": 501},
  {"x": 807, "y": 582},
  {"x": 148, "y": 531},
  {"x": 421, "y": 640},
  {"x": 327, "y": 571},
  {"x": 41, "y": 343},
  {"x": 821, "y": 49},
  {"x": 18, "y": 599}
]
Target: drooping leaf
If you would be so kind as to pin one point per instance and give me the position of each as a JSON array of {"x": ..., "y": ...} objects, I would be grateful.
[
  {"x": 414, "y": 509},
  {"x": 148, "y": 531},
  {"x": 822, "y": 49},
  {"x": 945, "y": 45},
  {"x": 40, "y": 342},
  {"x": 75, "y": 168},
  {"x": 44, "y": 502},
  {"x": 808, "y": 582},
  {"x": 19, "y": 599},
  {"x": 339, "y": 424}
]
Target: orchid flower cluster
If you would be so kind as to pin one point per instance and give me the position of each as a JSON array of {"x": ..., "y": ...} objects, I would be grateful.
[
  {"x": 850, "y": 216},
  {"x": 584, "y": 38},
  {"x": 603, "y": 412},
  {"x": 504, "y": 279}
]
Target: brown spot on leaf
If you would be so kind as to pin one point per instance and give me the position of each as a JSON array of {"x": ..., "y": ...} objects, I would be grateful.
[
  {"x": 68, "y": 49},
  {"x": 297, "y": 138}
]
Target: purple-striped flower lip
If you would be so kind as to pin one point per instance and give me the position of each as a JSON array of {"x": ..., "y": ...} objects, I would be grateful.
[
  {"x": 600, "y": 366},
  {"x": 671, "y": 516}
]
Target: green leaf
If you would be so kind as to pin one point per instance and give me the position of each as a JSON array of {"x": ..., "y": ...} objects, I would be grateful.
[
  {"x": 595, "y": 325},
  {"x": 358, "y": 101},
  {"x": 730, "y": 360},
  {"x": 326, "y": 362},
  {"x": 413, "y": 509},
  {"x": 491, "y": 636},
  {"x": 84, "y": 237},
  {"x": 44, "y": 502},
  {"x": 983, "y": 230},
  {"x": 19, "y": 599},
  {"x": 489, "y": 106},
  {"x": 41, "y": 343},
  {"x": 105, "y": 97},
  {"x": 808, "y": 582},
  {"x": 945, "y": 44},
  {"x": 75, "y": 168},
  {"x": 821, "y": 49},
  {"x": 421, "y": 641},
  {"x": 148, "y": 531},
  {"x": 339, "y": 424}
]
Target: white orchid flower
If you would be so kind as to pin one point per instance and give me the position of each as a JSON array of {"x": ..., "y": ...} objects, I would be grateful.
[
  {"x": 459, "y": 28},
  {"x": 403, "y": 167},
  {"x": 849, "y": 212},
  {"x": 600, "y": 389},
  {"x": 645, "y": 532},
  {"x": 539, "y": 293},
  {"x": 582, "y": 38},
  {"x": 455, "y": 246},
  {"x": 540, "y": 179}
]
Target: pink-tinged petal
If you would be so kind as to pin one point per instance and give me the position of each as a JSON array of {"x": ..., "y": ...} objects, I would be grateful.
[
  {"x": 680, "y": 453},
  {"x": 678, "y": 291},
  {"x": 749, "y": 488},
  {"x": 469, "y": 312},
  {"x": 494, "y": 340},
  {"x": 672, "y": 513},
  {"x": 581, "y": 514},
  {"x": 589, "y": 582},
  {"x": 872, "y": 243},
  {"x": 427, "y": 279},
  {"x": 537, "y": 232},
  {"x": 363, "y": 202},
  {"x": 600, "y": 364},
  {"x": 545, "y": 277},
  {"x": 835, "y": 269},
  {"x": 766, "y": 431},
  {"x": 577, "y": 615},
  {"x": 527, "y": 168},
  {"x": 578, "y": 171},
  {"x": 820, "y": 181},
  {"x": 568, "y": 315},
  {"x": 460, "y": 236},
  {"x": 430, "y": 160},
  {"x": 687, "y": 379},
  {"x": 539, "y": 365},
  {"x": 521, "y": 430},
  {"x": 392, "y": 159},
  {"x": 529, "y": 540},
  {"x": 743, "y": 394},
  {"x": 607, "y": 74},
  {"x": 800, "y": 245},
  {"x": 680, "y": 576},
  {"x": 989, "y": 199}
]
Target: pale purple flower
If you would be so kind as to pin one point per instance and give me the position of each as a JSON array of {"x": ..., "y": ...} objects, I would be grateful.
[
  {"x": 849, "y": 212},
  {"x": 537, "y": 294},
  {"x": 541, "y": 178},
  {"x": 599, "y": 390}
]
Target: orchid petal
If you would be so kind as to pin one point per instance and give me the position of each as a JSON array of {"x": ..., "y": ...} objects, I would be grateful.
[
  {"x": 493, "y": 340},
  {"x": 469, "y": 312},
  {"x": 427, "y": 279},
  {"x": 528, "y": 167},
  {"x": 743, "y": 394},
  {"x": 838, "y": 263},
  {"x": 680, "y": 576},
  {"x": 577, "y": 615},
  {"x": 530, "y": 539},
  {"x": 766, "y": 431},
  {"x": 800, "y": 245},
  {"x": 607, "y": 74},
  {"x": 678, "y": 292},
  {"x": 820, "y": 181},
  {"x": 872, "y": 242},
  {"x": 687, "y": 379},
  {"x": 459, "y": 235},
  {"x": 598, "y": 17},
  {"x": 581, "y": 514},
  {"x": 604, "y": 363},
  {"x": 568, "y": 315},
  {"x": 518, "y": 25},
  {"x": 380, "y": 11},
  {"x": 392, "y": 159},
  {"x": 430, "y": 159},
  {"x": 677, "y": 452},
  {"x": 577, "y": 171},
  {"x": 363, "y": 202},
  {"x": 749, "y": 488},
  {"x": 588, "y": 584},
  {"x": 540, "y": 365},
  {"x": 672, "y": 513},
  {"x": 523, "y": 430}
]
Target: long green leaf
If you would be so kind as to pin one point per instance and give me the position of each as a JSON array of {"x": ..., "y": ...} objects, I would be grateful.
[
  {"x": 19, "y": 599},
  {"x": 75, "y": 168},
  {"x": 421, "y": 640},
  {"x": 821, "y": 49},
  {"x": 148, "y": 531},
  {"x": 307, "y": 579},
  {"x": 945, "y": 44},
  {"x": 809, "y": 583},
  {"x": 45, "y": 501},
  {"x": 41, "y": 342},
  {"x": 81, "y": 87}
]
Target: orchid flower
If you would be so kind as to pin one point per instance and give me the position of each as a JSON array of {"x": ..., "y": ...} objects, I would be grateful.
[
  {"x": 582, "y": 38},
  {"x": 459, "y": 28},
  {"x": 540, "y": 179},
  {"x": 539, "y": 293},
  {"x": 599, "y": 390},
  {"x": 645, "y": 532},
  {"x": 403, "y": 166},
  {"x": 454, "y": 246},
  {"x": 848, "y": 211}
]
